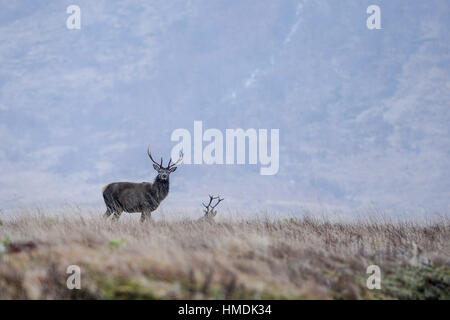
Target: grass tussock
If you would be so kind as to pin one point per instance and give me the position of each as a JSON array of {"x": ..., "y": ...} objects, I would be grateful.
[{"x": 255, "y": 259}]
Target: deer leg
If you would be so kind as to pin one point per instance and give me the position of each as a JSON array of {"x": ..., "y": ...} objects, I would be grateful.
[
  {"x": 107, "y": 213},
  {"x": 116, "y": 215},
  {"x": 146, "y": 216}
]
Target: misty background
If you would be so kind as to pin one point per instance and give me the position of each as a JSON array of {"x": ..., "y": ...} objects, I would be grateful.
[{"x": 363, "y": 114}]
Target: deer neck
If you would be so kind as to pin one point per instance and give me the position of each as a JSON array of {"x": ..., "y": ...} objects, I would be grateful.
[{"x": 161, "y": 187}]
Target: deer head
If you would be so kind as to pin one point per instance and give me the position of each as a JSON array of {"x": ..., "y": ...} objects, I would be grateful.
[
  {"x": 164, "y": 172},
  {"x": 209, "y": 211}
]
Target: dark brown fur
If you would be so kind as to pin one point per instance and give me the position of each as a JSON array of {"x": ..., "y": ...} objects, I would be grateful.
[
  {"x": 142, "y": 197},
  {"x": 130, "y": 197}
]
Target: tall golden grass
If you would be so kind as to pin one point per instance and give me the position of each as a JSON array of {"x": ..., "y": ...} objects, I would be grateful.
[{"x": 292, "y": 258}]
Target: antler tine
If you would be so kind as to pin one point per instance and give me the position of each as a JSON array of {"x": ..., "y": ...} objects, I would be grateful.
[
  {"x": 209, "y": 204},
  {"x": 218, "y": 201},
  {"x": 213, "y": 197},
  {"x": 151, "y": 158},
  {"x": 210, "y": 201},
  {"x": 176, "y": 162}
]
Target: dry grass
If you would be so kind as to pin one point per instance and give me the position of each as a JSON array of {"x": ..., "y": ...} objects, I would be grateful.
[{"x": 254, "y": 259}]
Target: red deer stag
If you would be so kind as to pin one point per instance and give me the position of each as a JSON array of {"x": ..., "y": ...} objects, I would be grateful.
[
  {"x": 209, "y": 211},
  {"x": 142, "y": 197}
]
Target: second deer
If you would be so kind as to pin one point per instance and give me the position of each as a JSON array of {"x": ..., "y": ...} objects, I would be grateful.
[{"x": 209, "y": 211}]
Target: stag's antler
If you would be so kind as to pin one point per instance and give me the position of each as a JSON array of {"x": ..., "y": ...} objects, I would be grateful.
[
  {"x": 161, "y": 164},
  {"x": 151, "y": 158},
  {"x": 209, "y": 209},
  {"x": 176, "y": 162}
]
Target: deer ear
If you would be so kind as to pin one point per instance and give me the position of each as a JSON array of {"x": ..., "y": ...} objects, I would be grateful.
[
  {"x": 155, "y": 167},
  {"x": 172, "y": 169}
]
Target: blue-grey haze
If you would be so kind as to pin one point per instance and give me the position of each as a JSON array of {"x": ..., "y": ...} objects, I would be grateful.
[{"x": 363, "y": 114}]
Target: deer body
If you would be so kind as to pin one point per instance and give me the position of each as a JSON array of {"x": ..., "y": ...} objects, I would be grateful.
[{"x": 142, "y": 197}]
